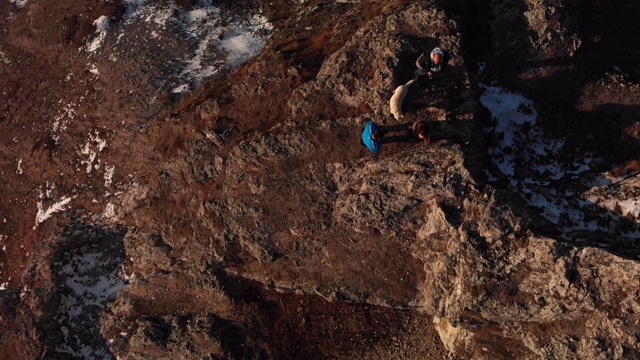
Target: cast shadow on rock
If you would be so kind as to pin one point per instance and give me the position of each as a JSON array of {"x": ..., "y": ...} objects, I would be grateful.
[
  {"x": 88, "y": 255},
  {"x": 445, "y": 90},
  {"x": 620, "y": 241},
  {"x": 607, "y": 131},
  {"x": 9, "y": 301},
  {"x": 611, "y": 132},
  {"x": 459, "y": 132}
]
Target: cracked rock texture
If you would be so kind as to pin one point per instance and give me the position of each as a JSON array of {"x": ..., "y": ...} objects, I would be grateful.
[{"x": 246, "y": 220}]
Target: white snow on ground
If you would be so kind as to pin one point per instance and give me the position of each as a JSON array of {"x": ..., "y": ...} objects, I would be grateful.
[
  {"x": 90, "y": 149},
  {"x": 215, "y": 45},
  {"x": 94, "y": 70},
  {"x": 132, "y": 5},
  {"x": 4, "y": 59},
  {"x": 109, "y": 212},
  {"x": 218, "y": 42},
  {"x": 48, "y": 190},
  {"x": 230, "y": 45},
  {"x": 102, "y": 24},
  {"x": 520, "y": 142},
  {"x": 19, "y": 3},
  {"x": 90, "y": 275},
  {"x": 530, "y": 162},
  {"x": 88, "y": 289},
  {"x": 215, "y": 42},
  {"x": 46, "y": 195},
  {"x": 67, "y": 113},
  {"x": 43, "y": 214},
  {"x": 109, "y": 170}
]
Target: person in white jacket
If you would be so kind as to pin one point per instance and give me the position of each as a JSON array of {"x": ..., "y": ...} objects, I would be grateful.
[{"x": 434, "y": 65}]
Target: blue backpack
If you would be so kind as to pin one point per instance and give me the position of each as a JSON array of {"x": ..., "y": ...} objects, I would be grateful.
[{"x": 373, "y": 145}]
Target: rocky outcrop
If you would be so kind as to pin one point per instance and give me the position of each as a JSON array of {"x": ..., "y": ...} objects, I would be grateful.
[
  {"x": 250, "y": 221},
  {"x": 533, "y": 30},
  {"x": 380, "y": 56},
  {"x": 527, "y": 310}
]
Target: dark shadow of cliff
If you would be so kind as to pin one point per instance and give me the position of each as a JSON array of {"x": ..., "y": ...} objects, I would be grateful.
[
  {"x": 85, "y": 268},
  {"x": 293, "y": 326},
  {"x": 556, "y": 85},
  {"x": 9, "y": 301}
]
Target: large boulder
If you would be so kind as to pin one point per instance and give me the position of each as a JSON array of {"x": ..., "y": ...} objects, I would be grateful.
[{"x": 378, "y": 57}]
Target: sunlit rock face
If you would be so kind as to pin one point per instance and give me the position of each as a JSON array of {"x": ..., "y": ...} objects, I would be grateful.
[{"x": 187, "y": 179}]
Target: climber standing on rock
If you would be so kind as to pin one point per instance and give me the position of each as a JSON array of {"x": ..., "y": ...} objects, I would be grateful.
[{"x": 431, "y": 66}]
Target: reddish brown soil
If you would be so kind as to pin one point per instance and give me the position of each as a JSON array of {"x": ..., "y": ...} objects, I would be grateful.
[{"x": 44, "y": 49}]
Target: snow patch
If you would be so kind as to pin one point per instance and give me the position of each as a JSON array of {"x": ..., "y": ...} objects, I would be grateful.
[
  {"x": 19, "y": 3},
  {"x": 215, "y": 41},
  {"x": 43, "y": 215},
  {"x": 109, "y": 212},
  {"x": 109, "y": 170},
  {"x": 180, "y": 89},
  {"x": 89, "y": 149},
  {"x": 532, "y": 163},
  {"x": 48, "y": 190},
  {"x": 520, "y": 141},
  {"x": 161, "y": 16},
  {"x": 235, "y": 43},
  {"x": 90, "y": 279},
  {"x": 94, "y": 70},
  {"x": 4, "y": 59},
  {"x": 61, "y": 121},
  {"x": 132, "y": 7},
  {"x": 102, "y": 24}
]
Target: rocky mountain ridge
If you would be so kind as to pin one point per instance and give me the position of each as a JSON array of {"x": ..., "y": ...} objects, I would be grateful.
[{"x": 244, "y": 219}]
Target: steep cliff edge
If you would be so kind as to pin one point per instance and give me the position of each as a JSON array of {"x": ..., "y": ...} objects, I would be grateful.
[{"x": 151, "y": 213}]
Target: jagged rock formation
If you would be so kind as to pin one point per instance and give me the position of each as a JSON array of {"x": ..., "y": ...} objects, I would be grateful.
[{"x": 245, "y": 219}]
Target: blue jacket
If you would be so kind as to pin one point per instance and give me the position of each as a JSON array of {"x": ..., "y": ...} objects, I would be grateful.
[{"x": 373, "y": 145}]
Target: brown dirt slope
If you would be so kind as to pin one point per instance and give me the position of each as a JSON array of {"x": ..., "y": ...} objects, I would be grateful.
[{"x": 245, "y": 219}]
